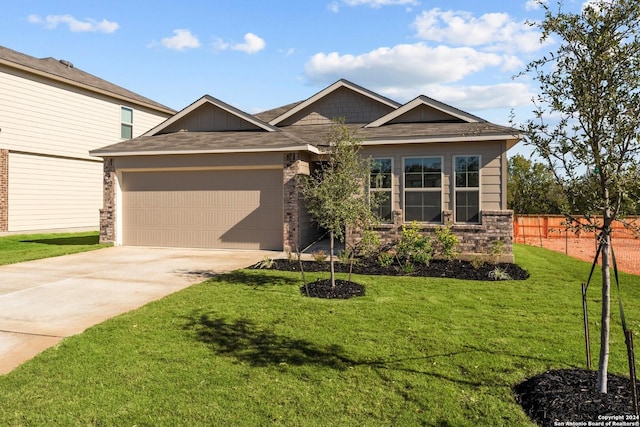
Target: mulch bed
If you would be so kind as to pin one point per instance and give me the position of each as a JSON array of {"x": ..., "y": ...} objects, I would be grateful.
[
  {"x": 453, "y": 269},
  {"x": 568, "y": 397},
  {"x": 343, "y": 289}
]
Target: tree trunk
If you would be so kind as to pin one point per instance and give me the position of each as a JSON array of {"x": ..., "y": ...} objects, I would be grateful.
[
  {"x": 606, "y": 308},
  {"x": 333, "y": 270}
]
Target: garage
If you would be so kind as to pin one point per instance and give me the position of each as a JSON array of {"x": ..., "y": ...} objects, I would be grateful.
[{"x": 230, "y": 209}]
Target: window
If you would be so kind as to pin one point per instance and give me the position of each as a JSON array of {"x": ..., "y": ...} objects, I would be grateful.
[
  {"x": 423, "y": 189},
  {"x": 467, "y": 189},
  {"x": 380, "y": 185},
  {"x": 126, "y": 125}
]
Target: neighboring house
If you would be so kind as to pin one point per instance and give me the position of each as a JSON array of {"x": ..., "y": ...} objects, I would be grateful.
[
  {"x": 213, "y": 176},
  {"x": 51, "y": 115}
]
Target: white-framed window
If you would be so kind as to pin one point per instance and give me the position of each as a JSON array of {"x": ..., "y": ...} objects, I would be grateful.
[
  {"x": 126, "y": 123},
  {"x": 467, "y": 189},
  {"x": 380, "y": 187},
  {"x": 422, "y": 179}
]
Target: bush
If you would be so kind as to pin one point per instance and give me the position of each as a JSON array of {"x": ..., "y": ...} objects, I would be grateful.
[
  {"x": 385, "y": 259},
  {"x": 413, "y": 246},
  {"x": 448, "y": 242}
]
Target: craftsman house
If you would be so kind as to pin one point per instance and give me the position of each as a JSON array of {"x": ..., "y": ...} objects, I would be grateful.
[
  {"x": 51, "y": 115},
  {"x": 214, "y": 176}
]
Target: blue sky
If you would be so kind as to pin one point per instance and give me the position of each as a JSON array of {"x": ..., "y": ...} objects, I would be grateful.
[{"x": 257, "y": 54}]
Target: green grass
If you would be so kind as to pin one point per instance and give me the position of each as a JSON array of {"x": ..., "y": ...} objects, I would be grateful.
[
  {"x": 28, "y": 247},
  {"x": 245, "y": 349}
]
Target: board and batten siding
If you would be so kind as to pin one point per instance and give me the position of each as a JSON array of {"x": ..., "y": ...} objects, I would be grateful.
[
  {"x": 53, "y": 193},
  {"x": 492, "y": 193}
]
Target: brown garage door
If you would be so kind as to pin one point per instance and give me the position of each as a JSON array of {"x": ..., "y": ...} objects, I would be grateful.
[{"x": 203, "y": 209}]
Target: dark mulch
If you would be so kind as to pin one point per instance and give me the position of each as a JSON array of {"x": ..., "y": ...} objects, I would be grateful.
[
  {"x": 453, "y": 269},
  {"x": 569, "y": 397},
  {"x": 343, "y": 289}
]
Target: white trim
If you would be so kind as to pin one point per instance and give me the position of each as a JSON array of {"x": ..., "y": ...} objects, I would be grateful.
[
  {"x": 200, "y": 168},
  {"x": 441, "y": 139},
  {"x": 119, "y": 209},
  {"x": 208, "y": 99},
  {"x": 454, "y": 188},
  {"x": 422, "y": 189},
  {"x": 307, "y": 147},
  {"x": 337, "y": 85},
  {"x": 423, "y": 100},
  {"x": 390, "y": 189}
]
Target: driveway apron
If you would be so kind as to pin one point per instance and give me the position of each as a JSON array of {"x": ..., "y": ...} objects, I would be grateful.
[{"x": 44, "y": 301}]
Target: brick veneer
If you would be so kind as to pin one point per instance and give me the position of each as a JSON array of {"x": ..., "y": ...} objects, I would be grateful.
[
  {"x": 108, "y": 211},
  {"x": 4, "y": 190},
  {"x": 474, "y": 239},
  {"x": 291, "y": 225}
]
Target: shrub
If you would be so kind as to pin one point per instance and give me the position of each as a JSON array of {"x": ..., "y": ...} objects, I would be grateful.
[
  {"x": 413, "y": 246},
  {"x": 368, "y": 244},
  {"x": 477, "y": 261},
  {"x": 448, "y": 242},
  {"x": 319, "y": 256},
  {"x": 267, "y": 262},
  {"x": 408, "y": 267},
  {"x": 385, "y": 259},
  {"x": 499, "y": 274},
  {"x": 344, "y": 256},
  {"x": 496, "y": 250}
]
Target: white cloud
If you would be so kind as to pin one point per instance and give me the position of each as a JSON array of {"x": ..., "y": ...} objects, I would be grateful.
[
  {"x": 334, "y": 6},
  {"x": 252, "y": 44},
  {"x": 418, "y": 64},
  {"x": 534, "y": 4},
  {"x": 478, "y": 97},
  {"x": 181, "y": 40},
  {"x": 88, "y": 25},
  {"x": 380, "y": 3},
  {"x": 492, "y": 31}
]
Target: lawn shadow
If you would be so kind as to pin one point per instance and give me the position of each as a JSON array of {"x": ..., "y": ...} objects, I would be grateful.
[
  {"x": 67, "y": 241},
  {"x": 256, "y": 279},
  {"x": 245, "y": 341},
  {"x": 239, "y": 277}
]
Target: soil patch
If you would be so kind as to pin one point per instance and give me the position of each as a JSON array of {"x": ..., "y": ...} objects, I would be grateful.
[{"x": 569, "y": 397}]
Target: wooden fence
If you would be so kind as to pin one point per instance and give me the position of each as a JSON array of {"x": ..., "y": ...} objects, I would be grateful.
[{"x": 535, "y": 227}]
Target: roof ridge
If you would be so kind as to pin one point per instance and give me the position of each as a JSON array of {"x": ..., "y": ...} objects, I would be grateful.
[{"x": 64, "y": 70}]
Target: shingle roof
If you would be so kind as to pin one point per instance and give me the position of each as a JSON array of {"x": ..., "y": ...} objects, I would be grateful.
[
  {"x": 65, "y": 71},
  {"x": 312, "y": 137},
  {"x": 207, "y": 142}
]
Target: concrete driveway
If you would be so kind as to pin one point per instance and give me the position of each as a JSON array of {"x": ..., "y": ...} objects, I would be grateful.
[{"x": 44, "y": 301}]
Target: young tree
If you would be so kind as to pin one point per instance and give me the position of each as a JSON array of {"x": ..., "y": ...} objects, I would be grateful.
[
  {"x": 335, "y": 194},
  {"x": 587, "y": 120}
]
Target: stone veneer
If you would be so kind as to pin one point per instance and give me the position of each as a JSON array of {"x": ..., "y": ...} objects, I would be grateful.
[
  {"x": 474, "y": 239},
  {"x": 298, "y": 227},
  {"x": 108, "y": 211},
  {"x": 4, "y": 190}
]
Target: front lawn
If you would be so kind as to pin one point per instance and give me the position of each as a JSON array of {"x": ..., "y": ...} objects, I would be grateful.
[
  {"x": 246, "y": 349},
  {"x": 28, "y": 247}
]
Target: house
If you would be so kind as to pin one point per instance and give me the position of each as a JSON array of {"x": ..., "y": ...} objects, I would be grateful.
[
  {"x": 217, "y": 177},
  {"x": 51, "y": 115}
]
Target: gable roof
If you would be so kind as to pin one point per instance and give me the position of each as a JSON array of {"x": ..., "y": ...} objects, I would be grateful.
[
  {"x": 445, "y": 110},
  {"x": 420, "y": 121},
  {"x": 325, "y": 92},
  {"x": 64, "y": 71},
  {"x": 208, "y": 100}
]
